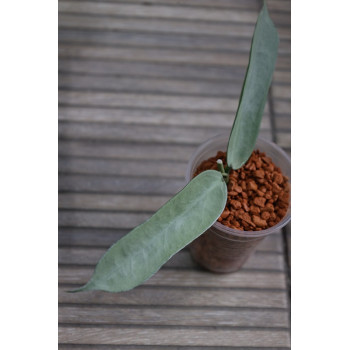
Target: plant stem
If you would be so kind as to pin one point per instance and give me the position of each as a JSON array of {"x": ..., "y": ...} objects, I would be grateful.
[{"x": 222, "y": 170}]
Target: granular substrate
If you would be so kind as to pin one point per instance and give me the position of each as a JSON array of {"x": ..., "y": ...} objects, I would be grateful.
[{"x": 258, "y": 193}]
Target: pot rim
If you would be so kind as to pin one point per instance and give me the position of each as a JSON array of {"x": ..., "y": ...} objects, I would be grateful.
[{"x": 228, "y": 231}]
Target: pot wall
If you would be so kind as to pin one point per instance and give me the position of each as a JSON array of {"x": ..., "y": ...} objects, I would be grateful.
[{"x": 221, "y": 248}]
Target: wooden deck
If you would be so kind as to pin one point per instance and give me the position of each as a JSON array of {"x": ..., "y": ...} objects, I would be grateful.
[{"x": 141, "y": 85}]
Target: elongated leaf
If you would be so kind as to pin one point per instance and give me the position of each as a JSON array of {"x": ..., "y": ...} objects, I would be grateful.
[
  {"x": 263, "y": 54},
  {"x": 138, "y": 255}
]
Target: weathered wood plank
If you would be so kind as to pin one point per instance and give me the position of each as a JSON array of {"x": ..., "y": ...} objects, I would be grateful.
[
  {"x": 124, "y": 150},
  {"x": 254, "y": 5},
  {"x": 123, "y": 167},
  {"x": 157, "y": 25},
  {"x": 133, "y": 100},
  {"x": 158, "y": 11},
  {"x": 283, "y": 123},
  {"x": 184, "y": 337},
  {"x": 152, "y": 347},
  {"x": 278, "y": 5},
  {"x": 284, "y": 139},
  {"x": 288, "y": 243},
  {"x": 282, "y": 77},
  {"x": 120, "y": 185},
  {"x": 281, "y": 91},
  {"x": 162, "y": 40},
  {"x": 143, "y": 70},
  {"x": 239, "y": 4},
  {"x": 143, "y": 133},
  {"x": 144, "y": 296},
  {"x": 147, "y": 69},
  {"x": 86, "y": 315},
  {"x": 154, "y": 85},
  {"x": 84, "y": 256},
  {"x": 282, "y": 106},
  {"x": 101, "y": 219},
  {"x": 166, "y": 12},
  {"x": 110, "y": 202},
  {"x": 189, "y": 278},
  {"x": 98, "y": 237},
  {"x": 89, "y": 237},
  {"x": 151, "y": 117},
  {"x": 156, "y": 55},
  {"x": 137, "y": 133}
]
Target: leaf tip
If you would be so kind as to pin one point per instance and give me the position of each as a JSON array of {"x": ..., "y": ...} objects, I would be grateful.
[{"x": 83, "y": 288}]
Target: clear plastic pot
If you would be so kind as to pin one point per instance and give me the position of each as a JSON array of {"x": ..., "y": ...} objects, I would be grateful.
[{"x": 221, "y": 248}]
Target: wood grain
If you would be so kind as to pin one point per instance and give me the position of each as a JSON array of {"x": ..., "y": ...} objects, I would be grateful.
[
  {"x": 184, "y": 337},
  {"x": 162, "y": 70},
  {"x": 153, "y": 117},
  {"x": 98, "y": 237},
  {"x": 110, "y": 202},
  {"x": 182, "y": 260},
  {"x": 125, "y": 150},
  {"x": 101, "y": 219},
  {"x": 161, "y": 40},
  {"x": 205, "y": 298},
  {"x": 132, "y": 100},
  {"x": 99, "y": 315},
  {"x": 74, "y": 20},
  {"x": 122, "y": 167},
  {"x": 158, "y": 11},
  {"x": 162, "y": 55},
  {"x": 189, "y": 278},
  {"x": 253, "y": 5},
  {"x": 120, "y": 185},
  {"x": 142, "y": 133}
]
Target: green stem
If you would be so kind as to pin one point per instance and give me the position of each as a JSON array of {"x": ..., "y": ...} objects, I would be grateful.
[{"x": 222, "y": 170}]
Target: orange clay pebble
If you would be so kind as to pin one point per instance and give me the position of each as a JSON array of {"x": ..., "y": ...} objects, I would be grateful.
[
  {"x": 238, "y": 189},
  {"x": 255, "y": 210},
  {"x": 236, "y": 204},
  {"x": 260, "y": 201},
  {"x": 278, "y": 178},
  {"x": 259, "y": 222},
  {"x": 259, "y": 173},
  {"x": 252, "y": 185},
  {"x": 245, "y": 206},
  {"x": 269, "y": 207},
  {"x": 265, "y": 215},
  {"x": 225, "y": 214}
]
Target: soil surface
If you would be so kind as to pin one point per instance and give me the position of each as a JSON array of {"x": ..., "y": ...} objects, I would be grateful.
[{"x": 258, "y": 193}]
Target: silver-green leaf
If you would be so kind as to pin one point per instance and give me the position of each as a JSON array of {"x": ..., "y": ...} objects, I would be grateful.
[
  {"x": 139, "y": 254},
  {"x": 263, "y": 55}
]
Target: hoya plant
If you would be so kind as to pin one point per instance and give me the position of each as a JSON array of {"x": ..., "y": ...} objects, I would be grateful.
[{"x": 138, "y": 255}]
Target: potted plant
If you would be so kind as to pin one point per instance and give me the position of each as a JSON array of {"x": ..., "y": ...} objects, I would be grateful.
[{"x": 205, "y": 199}]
